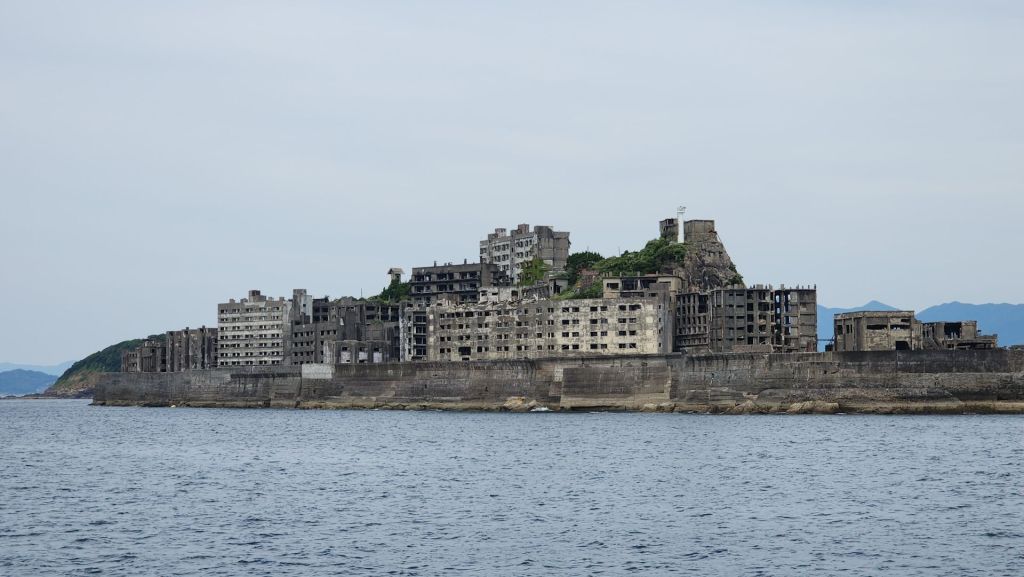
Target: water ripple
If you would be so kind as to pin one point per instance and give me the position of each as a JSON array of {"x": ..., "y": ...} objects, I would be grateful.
[{"x": 186, "y": 492}]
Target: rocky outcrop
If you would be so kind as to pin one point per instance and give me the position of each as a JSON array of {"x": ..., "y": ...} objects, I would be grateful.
[
  {"x": 813, "y": 407},
  {"x": 707, "y": 265}
]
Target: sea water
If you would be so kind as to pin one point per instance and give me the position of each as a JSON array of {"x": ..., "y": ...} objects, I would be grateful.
[{"x": 176, "y": 491}]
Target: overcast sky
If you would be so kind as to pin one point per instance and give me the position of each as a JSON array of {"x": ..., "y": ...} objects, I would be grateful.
[{"x": 159, "y": 158}]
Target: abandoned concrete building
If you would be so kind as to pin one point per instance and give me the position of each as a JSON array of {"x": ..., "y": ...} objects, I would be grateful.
[
  {"x": 901, "y": 331},
  {"x": 191, "y": 349},
  {"x": 760, "y": 319},
  {"x": 176, "y": 351},
  {"x": 956, "y": 335},
  {"x": 150, "y": 357},
  {"x": 736, "y": 319},
  {"x": 346, "y": 330},
  {"x": 512, "y": 250},
  {"x": 546, "y": 328},
  {"x": 251, "y": 330},
  {"x": 877, "y": 331},
  {"x": 458, "y": 282}
]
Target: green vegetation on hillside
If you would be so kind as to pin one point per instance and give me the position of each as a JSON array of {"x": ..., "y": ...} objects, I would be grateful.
[
  {"x": 658, "y": 255},
  {"x": 78, "y": 380}
]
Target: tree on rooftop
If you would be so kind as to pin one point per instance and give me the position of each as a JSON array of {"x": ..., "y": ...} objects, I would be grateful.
[
  {"x": 395, "y": 292},
  {"x": 533, "y": 272}
]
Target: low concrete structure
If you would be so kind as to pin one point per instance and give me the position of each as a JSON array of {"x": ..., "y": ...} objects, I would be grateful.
[
  {"x": 956, "y": 335},
  {"x": 901, "y": 331},
  {"x": 877, "y": 331}
]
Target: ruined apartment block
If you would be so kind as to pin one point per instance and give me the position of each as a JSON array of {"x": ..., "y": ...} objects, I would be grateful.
[
  {"x": 177, "y": 351},
  {"x": 342, "y": 331},
  {"x": 548, "y": 328},
  {"x": 251, "y": 330},
  {"x": 512, "y": 250},
  {"x": 755, "y": 319},
  {"x": 191, "y": 349},
  {"x": 458, "y": 282},
  {"x": 150, "y": 357}
]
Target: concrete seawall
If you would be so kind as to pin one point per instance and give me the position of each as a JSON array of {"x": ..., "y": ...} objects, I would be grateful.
[{"x": 891, "y": 382}]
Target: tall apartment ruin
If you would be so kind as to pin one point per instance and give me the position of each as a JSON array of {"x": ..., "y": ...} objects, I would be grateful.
[{"x": 511, "y": 251}]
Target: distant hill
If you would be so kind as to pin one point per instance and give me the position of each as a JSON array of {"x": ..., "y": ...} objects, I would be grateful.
[
  {"x": 80, "y": 379},
  {"x": 21, "y": 382},
  {"x": 55, "y": 370},
  {"x": 1006, "y": 320}
]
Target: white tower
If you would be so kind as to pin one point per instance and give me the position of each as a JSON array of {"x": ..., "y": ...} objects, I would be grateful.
[{"x": 679, "y": 219}]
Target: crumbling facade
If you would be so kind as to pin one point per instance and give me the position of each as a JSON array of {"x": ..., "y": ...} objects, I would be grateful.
[
  {"x": 458, "y": 282},
  {"x": 956, "y": 335},
  {"x": 877, "y": 331},
  {"x": 191, "y": 349},
  {"x": 511, "y": 251},
  {"x": 251, "y": 331},
  {"x": 342, "y": 331},
  {"x": 150, "y": 357},
  {"x": 176, "y": 351},
  {"x": 755, "y": 319}
]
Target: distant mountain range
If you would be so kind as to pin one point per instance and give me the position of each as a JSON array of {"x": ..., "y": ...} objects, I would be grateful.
[
  {"x": 21, "y": 382},
  {"x": 1005, "y": 320},
  {"x": 56, "y": 370}
]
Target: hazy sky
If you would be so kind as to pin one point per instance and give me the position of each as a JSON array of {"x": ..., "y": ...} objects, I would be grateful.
[{"x": 159, "y": 158}]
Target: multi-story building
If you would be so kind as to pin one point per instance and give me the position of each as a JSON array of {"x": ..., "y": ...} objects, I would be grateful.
[
  {"x": 512, "y": 250},
  {"x": 310, "y": 327},
  {"x": 458, "y": 282},
  {"x": 756, "y": 319},
  {"x": 346, "y": 330},
  {"x": 150, "y": 357},
  {"x": 414, "y": 327},
  {"x": 191, "y": 349},
  {"x": 251, "y": 331},
  {"x": 548, "y": 328}
]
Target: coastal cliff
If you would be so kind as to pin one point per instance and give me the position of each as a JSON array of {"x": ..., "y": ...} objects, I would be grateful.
[{"x": 877, "y": 382}]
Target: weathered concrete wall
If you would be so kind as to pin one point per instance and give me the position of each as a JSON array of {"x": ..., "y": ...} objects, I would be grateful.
[{"x": 906, "y": 381}]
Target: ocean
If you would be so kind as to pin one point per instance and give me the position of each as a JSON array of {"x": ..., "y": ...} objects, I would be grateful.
[{"x": 177, "y": 491}]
